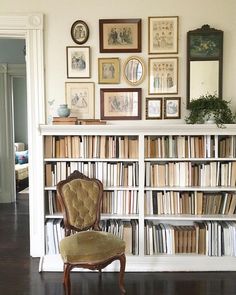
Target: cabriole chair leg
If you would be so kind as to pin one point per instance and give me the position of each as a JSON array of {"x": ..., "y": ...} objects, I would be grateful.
[
  {"x": 122, "y": 272},
  {"x": 66, "y": 280}
]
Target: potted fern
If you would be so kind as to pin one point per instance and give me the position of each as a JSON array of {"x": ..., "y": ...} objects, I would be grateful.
[{"x": 210, "y": 109}]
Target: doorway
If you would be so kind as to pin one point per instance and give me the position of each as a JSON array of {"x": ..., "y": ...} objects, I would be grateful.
[
  {"x": 14, "y": 94},
  {"x": 30, "y": 28}
]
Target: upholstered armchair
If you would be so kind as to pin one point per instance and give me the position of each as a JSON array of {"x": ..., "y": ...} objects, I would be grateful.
[{"x": 85, "y": 246}]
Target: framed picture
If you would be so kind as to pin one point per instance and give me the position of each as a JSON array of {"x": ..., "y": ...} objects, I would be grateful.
[
  {"x": 172, "y": 107},
  {"x": 120, "y": 103},
  {"x": 153, "y": 108},
  {"x": 163, "y": 34},
  {"x": 80, "y": 99},
  {"x": 108, "y": 70},
  {"x": 163, "y": 75},
  {"x": 205, "y": 43},
  {"x": 120, "y": 35},
  {"x": 78, "y": 61},
  {"x": 79, "y": 32}
]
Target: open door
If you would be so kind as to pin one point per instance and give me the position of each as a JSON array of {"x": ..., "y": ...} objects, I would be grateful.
[{"x": 7, "y": 178}]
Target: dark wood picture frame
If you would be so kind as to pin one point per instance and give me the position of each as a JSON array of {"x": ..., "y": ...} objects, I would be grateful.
[
  {"x": 153, "y": 108},
  {"x": 172, "y": 107},
  {"x": 120, "y": 103},
  {"x": 120, "y": 35},
  {"x": 78, "y": 61},
  {"x": 79, "y": 32}
]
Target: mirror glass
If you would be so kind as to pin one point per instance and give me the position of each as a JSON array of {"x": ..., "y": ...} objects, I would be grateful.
[
  {"x": 204, "y": 62},
  {"x": 204, "y": 78},
  {"x": 134, "y": 70}
]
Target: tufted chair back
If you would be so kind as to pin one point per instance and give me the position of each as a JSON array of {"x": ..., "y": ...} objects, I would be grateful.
[{"x": 80, "y": 199}]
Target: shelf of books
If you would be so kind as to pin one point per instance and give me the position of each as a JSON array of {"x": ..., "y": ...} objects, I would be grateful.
[{"x": 169, "y": 192}]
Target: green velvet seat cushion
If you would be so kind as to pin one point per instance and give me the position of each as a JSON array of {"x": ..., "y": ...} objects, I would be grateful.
[{"x": 90, "y": 247}]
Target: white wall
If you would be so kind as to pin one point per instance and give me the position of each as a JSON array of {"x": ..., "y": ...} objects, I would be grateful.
[{"x": 59, "y": 16}]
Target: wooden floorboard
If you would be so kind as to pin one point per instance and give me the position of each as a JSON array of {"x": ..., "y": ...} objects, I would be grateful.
[{"x": 19, "y": 272}]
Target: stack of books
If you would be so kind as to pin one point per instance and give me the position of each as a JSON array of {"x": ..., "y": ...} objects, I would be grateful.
[
  {"x": 91, "y": 122},
  {"x": 65, "y": 121}
]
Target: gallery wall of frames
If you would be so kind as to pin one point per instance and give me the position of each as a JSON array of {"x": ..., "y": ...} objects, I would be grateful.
[{"x": 118, "y": 36}]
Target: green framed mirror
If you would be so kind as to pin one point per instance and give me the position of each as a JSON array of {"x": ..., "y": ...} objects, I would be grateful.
[{"x": 204, "y": 62}]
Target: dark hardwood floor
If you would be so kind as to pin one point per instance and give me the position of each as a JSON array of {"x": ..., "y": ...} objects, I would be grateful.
[{"x": 19, "y": 272}]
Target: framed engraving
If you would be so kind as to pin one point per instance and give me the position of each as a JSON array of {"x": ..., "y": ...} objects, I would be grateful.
[
  {"x": 120, "y": 103},
  {"x": 120, "y": 35},
  {"x": 153, "y": 108},
  {"x": 79, "y": 32},
  {"x": 78, "y": 61},
  {"x": 163, "y": 75},
  {"x": 163, "y": 35},
  {"x": 80, "y": 99},
  {"x": 108, "y": 70},
  {"x": 172, "y": 107}
]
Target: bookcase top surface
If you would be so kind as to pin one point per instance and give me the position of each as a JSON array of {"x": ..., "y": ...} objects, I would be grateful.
[{"x": 139, "y": 128}]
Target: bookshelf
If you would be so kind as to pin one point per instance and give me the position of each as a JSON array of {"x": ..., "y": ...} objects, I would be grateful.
[{"x": 169, "y": 190}]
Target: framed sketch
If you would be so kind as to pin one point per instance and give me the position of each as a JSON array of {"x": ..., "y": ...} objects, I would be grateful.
[
  {"x": 163, "y": 34},
  {"x": 163, "y": 75},
  {"x": 80, "y": 99},
  {"x": 153, "y": 108},
  {"x": 172, "y": 107},
  {"x": 108, "y": 70},
  {"x": 78, "y": 61},
  {"x": 79, "y": 32},
  {"x": 120, "y": 35},
  {"x": 120, "y": 103}
]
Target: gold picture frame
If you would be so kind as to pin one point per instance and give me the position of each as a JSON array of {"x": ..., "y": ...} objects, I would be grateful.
[
  {"x": 163, "y": 75},
  {"x": 80, "y": 99},
  {"x": 163, "y": 34},
  {"x": 109, "y": 70}
]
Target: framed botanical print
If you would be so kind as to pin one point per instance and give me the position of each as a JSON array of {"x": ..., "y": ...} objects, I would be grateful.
[
  {"x": 120, "y": 35},
  {"x": 120, "y": 103},
  {"x": 172, "y": 107},
  {"x": 153, "y": 108},
  {"x": 80, "y": 99},
  {"x": 78, "y": 61},
  {"x": 163, "y": 34},
  {"x": 163, "y": 75},
  {"x": 108, "y": 70}
]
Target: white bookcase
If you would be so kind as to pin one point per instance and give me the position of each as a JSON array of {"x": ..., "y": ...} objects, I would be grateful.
[{"x": 171, "y": 140}]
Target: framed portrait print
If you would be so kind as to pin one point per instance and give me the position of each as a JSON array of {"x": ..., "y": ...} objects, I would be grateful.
[
  {"x": 78, "y": 61},
  {"x": 163, "y": 34},
  {"x": 153, "y": 108},
  {"x": 120, "y": 103},
  {"x": 120, "y": 35},
  {"x": 172, "y": 107},
  {"x": 163, "y": 75},
  {"x": 80, "y": 99},
  {"x": 108, "y": 70},
  {"x": 79, "y": 32}
]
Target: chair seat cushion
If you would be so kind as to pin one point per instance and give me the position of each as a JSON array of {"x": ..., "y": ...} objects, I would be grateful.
[{"x": 90, "y": 247}]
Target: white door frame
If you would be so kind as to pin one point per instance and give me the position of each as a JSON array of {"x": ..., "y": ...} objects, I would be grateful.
[{"x": 30, "y": 28}]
